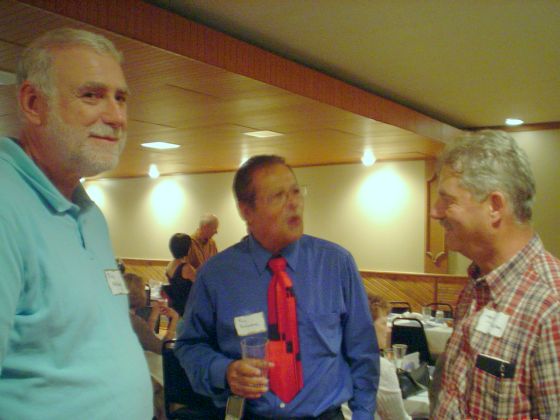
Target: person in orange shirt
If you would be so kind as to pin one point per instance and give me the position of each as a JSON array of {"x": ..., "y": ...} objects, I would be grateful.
[{"x": 203, "y": 246}]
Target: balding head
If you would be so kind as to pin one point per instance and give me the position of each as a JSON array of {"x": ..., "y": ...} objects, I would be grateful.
[{"x": 208, "y": 226}]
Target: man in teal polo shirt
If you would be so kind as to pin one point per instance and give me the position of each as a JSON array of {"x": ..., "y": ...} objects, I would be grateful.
[{"x": 67, "y": 349}]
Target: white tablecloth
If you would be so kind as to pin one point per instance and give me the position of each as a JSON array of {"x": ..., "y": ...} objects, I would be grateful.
[
  {"x": 436, "y": 334},
  {"x": 437, "y": 338},
  {"x": 418, "y": 405}
]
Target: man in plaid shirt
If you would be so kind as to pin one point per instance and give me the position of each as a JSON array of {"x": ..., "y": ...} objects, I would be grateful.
[{"x": 503, "y": 358}]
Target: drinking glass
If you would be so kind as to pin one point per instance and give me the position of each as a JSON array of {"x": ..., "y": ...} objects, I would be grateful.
[
  {"x": 426, "y": 313},
  {"x": 255, "y": 348},
  {"x": 440, "y": 317},
  {"x": 399, "y": 351}
]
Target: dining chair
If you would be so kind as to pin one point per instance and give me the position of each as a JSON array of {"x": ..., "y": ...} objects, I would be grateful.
[
  {"x": 446, "y": 307},
  {"x": 400, "y": 307},
  {"x": 181, "y": 402},
  {"x": 410, "y": 331}
]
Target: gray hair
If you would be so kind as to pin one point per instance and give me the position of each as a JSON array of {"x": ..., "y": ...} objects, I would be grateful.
[
  {"x": 208, "y": 219},
  {"x": 491, "y": 160},
  {"x": 35, "y": 63}
]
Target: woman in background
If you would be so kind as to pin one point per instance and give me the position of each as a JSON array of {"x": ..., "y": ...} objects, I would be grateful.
[
  {"x": 179, "y": 272},
  {"x": 390, "y": 404},
  {"x": 144, "y": 329}
]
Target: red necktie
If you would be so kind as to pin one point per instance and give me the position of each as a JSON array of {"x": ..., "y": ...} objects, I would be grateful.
[{"x": 286, "y": 377}]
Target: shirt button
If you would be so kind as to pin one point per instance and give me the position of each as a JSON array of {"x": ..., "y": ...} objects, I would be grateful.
[{"x": 282, "y": 405}]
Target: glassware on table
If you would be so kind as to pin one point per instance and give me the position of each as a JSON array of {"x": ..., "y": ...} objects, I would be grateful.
[
  {"x": 440, "y": 319},
  {"x": 399, "y": 351},
  {"x": 255, "y": 348},
  {"x": 426, "y": 313}
]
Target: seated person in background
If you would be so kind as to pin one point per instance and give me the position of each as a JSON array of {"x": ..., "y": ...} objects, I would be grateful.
[
  {"x": 179, "y": 272},
  {"x": 389, "y": 398},
  {"x": 145, "y": 329}
]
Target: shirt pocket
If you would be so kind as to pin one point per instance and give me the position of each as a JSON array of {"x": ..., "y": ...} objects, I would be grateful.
[
  {"x": 498, "y": 397},
  {"x": 322, "y": 333}
]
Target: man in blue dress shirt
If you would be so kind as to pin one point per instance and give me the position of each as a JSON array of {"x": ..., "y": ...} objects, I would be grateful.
[
  {"x": 67, "y": 349},
  {"x": 338, "y": 347}
]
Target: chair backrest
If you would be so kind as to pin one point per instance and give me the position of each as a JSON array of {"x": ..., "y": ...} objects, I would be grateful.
[
  {"x": 410, "y": 331},
  {"x": 400, "y": 307},
  {"x": 178, "y": 390},
  {"x": 445, "y": 307}
]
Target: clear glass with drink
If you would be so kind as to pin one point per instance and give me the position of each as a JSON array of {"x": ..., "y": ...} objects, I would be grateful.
[
  {"x": 255, "y": 348},
  {"x": 426, "y": 313},
  {"x": 399, "y": 351}
]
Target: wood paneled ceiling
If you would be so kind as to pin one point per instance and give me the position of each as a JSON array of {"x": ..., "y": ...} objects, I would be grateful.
[{"x": 203, "y": 90}]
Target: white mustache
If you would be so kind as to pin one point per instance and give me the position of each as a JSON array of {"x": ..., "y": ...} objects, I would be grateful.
[{"x": 104, "y": 130}]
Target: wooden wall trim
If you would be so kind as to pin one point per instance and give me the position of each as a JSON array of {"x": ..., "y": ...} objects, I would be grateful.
[
  {"x": 411, "y": 276},
  {"x": 416, "y": 288},
  {"x": 158, "y": 27}
]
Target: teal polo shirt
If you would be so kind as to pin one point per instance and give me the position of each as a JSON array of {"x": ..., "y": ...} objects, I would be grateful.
[{"x": 67, "y": 349}]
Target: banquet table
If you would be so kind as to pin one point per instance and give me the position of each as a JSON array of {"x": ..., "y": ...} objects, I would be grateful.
[
  {"x": 418, "y": 405},
  {"x": 437, "y": 334}
]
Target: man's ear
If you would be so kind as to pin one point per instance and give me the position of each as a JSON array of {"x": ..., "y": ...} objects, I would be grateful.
[
  {"x": 245, "y": 211},
  {"x": 32, "y": 103},
  {"x": 497, "y": 204}
]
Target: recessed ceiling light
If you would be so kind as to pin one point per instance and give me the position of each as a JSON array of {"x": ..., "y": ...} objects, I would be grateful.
[
  {"x": 263, "y": 134},
  {"x": 368, "y": 158},
  {"x": 514, "y": 121},
  {"x": 7, "y": 78},
  {"x": 160, "y": 145},
  {"x": 153, "y": 172}
]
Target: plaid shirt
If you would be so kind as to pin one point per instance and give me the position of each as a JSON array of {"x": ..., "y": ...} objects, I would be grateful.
[{"x": 526, "y": 288}]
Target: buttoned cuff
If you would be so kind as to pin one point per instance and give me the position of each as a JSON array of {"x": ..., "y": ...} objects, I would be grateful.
[{"x": 218, "y": 370}]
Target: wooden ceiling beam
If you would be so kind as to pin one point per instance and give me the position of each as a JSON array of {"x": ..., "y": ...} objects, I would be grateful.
[{"x": 157, "y": 27}]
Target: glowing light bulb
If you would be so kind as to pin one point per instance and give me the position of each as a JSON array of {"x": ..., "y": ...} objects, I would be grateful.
[
  {"x": 368, "y": 158},
  {"x": 153, "y": 172}
]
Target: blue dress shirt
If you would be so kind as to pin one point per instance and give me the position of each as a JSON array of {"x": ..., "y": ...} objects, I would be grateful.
[{"x": 339, "y": 350}]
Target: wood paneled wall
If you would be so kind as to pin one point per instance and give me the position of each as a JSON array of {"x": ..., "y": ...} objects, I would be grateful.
[
  {"x": 147, "y": 269},
  {"x": 416, "y": 288}
]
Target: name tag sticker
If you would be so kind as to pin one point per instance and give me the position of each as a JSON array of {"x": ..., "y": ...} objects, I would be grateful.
[
  {"x": 499, "y": 325},
  {"x": 116, "y": 282},
  {"x": 485, "y": 321},
  {"x": 492, "y": 322},
  {"x": 250, "y": 324}
]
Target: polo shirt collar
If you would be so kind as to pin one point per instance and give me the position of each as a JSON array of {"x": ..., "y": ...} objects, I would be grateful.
[{"x": 11, "y": 152}]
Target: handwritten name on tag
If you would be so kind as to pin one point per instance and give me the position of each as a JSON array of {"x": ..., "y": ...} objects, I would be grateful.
[
  {"x": 116, "y": 282},
  {"x": 250, "y": 324},
  {"x": 492, "y": 322}
]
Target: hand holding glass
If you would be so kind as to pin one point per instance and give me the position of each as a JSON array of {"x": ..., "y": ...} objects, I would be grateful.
[{"x": 255, "y": 348}]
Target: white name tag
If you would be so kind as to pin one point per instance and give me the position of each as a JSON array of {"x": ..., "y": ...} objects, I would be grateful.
[
  {"x": 250, "y": 324},
  {"x": 492, "y": 322},
  {"x": 499, "y": 325},
  {"x": 116, "y": 282}
]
